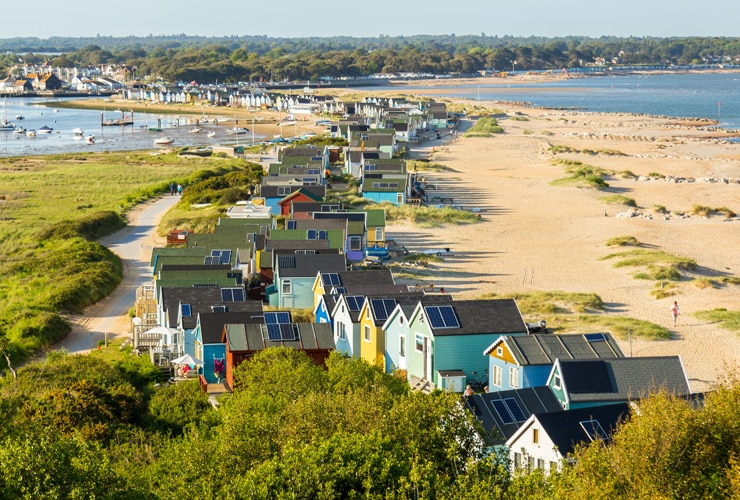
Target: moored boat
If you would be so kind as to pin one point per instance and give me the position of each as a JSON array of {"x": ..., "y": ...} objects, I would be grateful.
[
  {"x": 31, "y": 133},
  {"x": 164, "y": 140},
  {"x": 90, "y": 139},
  {"x": 237, "y": 130},
  {"x": 20, "y": 117},
  {"x": 77, "y": 131},
  {"x": 45, "y": 130},
  {"x": 195, "y": 130},
  {"x": 211, "y": 134},
  {"x": 19, "y": 130}
]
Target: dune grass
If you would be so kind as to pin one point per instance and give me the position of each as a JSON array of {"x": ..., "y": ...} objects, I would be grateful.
[
  {"x": 581, "y": 175},
  {"x": 427, "y": 166},
  {"x": 485, "y": 126},
  {"x": 567, "y": 312},
  {"x": 618, "y": 199},
  {"x": 623, "y": 241},
  {"x": 642, "y": 257},
  {"x": 729, "y": 320}
]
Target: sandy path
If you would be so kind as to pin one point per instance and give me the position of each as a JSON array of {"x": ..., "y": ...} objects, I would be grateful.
[{"x": 133, "y": 245}]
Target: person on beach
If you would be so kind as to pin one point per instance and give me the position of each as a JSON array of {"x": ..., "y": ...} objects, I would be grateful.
[{"x": 675, "y": 311}]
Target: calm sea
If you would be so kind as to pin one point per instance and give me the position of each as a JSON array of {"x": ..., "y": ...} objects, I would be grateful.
[
  {"x": 702, "y": 95},
  {"x": 64, "y": 121}
]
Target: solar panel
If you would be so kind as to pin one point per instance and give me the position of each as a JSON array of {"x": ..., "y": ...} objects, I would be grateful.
[
  {"x": 513, "y": 407},
  {"x": 379, "y": 309},
  {"x": 330, "y": 279},
  {"x": 442, "y": 317},
  {"x": 435, "y": 317},
  {"x": 311, "y": 234},
  {"x": 292, "y": 224},
  {"x": 186, "y": 311},
  {"x": 288, "y": 332},
  {"x": 354, "y": 302},
  {"x": 226, "y": 257},
  {"x": 218, "y": 309},
  {"x": 227, "y": 295},
  {"x": 338, "y": 290},
  {"x": 390, "y": 305},
  {"x": 449, "y": 317},
  {"x": 215, "y": 253},
  {"x": 277, "y": 317},
  {"x": 593, "y": 429},
  {"x": 212, "y": 260},
  {"x": 323, "y": 235},
  {"x": 595, "y": 337},
  {"x": 273, "y": 332},
  {"x": 238, "y": 295},
  {"x": 503, "y": 413}
]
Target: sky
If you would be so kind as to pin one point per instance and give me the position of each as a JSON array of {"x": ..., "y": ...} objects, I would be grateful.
[{"x": 295, "y": 19}]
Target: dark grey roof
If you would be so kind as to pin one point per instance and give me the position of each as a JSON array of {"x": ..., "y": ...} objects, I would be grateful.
[
  {"x": 499, "y": 316},
  {"x": 297, "y": 245},
  {"x": 212, "y": 323},
  {"x": 201, "y": 300},
  {"x": 303, "y": 266},
  {"x": 303, "y": 224},
  {"x": 530, "y": 400},
  {"x": 568, "y": 428},
  {"x": 544, "y": 349},
  {"x": 367, "y": 277},
  {"x": 271, "y": 190},
  {"x": 622, "y": 379}
]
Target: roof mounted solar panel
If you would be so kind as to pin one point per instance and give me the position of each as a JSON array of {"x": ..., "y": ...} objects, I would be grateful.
[
  {"x": 594, "y": 430},
  {"x": 273, "y": 332},
  {"x": 502, "y": 411},
  {"x": 594, "y": 337},
  {"x": 514, "y": 409}
]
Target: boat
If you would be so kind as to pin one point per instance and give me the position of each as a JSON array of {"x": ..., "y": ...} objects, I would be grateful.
[
  {"x": 77, "y": 131},
  {"x": 20, "y": 117},
  {"x": 6, "y": 126},
  {"x": 211, "y": 134},
  {"x": 237, "y": 130},
  {"x": 195, "y": 130},
  {"x": 90, "y": 139},
  {"x": 19, "y": 130},
  {"x": 45, "y": 130},
  {"x": 164, "y": 140},
  {"x": 31, "y": 133}
]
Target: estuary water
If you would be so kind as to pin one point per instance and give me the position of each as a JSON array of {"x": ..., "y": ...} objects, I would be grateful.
[
  {"x": 64, "y": 121},
  {"x": 691, "y": 95}
]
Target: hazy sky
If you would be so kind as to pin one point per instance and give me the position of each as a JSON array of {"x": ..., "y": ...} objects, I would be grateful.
[{"x": 291, "y": 18}]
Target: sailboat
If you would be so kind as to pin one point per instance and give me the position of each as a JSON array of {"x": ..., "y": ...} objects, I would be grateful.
[{"x": 5, "y": 125}]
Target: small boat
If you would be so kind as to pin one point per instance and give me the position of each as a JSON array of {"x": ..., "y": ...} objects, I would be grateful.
[
  {"x": 6, "y": 126},
  {"x": 77, "y": 131},
  {"x": 31, "y": 133},
  {"x": 20, "y": 117},
  {"x": 237, "y": 130},
  {"x": 155, "y": 129},
  {"x": 164, "y": 140},
  {"x": 211, "y": 134},
  {"x": 45, "y": 130},
  {"x": 90, "y": 139},
  {"x": 19, "y": 130},
  {"x": 195, "y": 130}
]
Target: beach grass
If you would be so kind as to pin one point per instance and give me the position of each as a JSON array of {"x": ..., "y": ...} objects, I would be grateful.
[
  {"x": 485, "y": 126},
  {"x": 426, "y": 216},
  {"x": 618, "y": 199},
  {"x": 623, "y": 241},
  {"x": 427, "y": 166},
  {"x": 648, "y": 257},
  {"x": 729, "y": 320},
  {"x": 568, "y": 312},
  {"x": 581, "y": 175}
]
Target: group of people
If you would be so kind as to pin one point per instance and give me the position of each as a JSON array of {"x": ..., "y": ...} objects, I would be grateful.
[{"x": 175, "y": 188}]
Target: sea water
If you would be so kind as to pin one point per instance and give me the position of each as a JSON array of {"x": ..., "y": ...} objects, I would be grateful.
[
  {"x": 714, "y": 96},
  {"x": 109, "y": 138}
]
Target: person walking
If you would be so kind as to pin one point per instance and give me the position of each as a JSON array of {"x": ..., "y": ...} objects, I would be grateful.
[
  {"x": 675, "y": 311},
  {"x": 172, "y": 188}
]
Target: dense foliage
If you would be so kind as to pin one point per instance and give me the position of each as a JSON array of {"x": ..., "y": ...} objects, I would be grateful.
[
  {"x": 293, "y": 429},
  {"x": 254, "y": 58}
]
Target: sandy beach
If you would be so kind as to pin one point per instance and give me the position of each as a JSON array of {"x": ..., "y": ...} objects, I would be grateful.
[{"x": 535, "y": 236}]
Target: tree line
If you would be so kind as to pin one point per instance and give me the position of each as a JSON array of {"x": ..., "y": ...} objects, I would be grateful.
[
  {"x": 259, "y": 58},
  {"x": 293, "y": 429}
]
